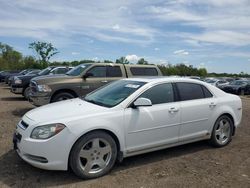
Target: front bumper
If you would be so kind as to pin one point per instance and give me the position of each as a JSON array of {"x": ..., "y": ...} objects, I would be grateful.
[
  {"x": 17, "y": 90},
  {"x": 49, "y": 154},
  {"x": 38, "y": 99}
]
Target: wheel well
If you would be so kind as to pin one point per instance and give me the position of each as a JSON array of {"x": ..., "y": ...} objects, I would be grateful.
[
  {"x": 119, "y": 155},
  {"x": 24, "y": 88},
  {"x": 231, "y": 117},
  {"x": 62, "y": 91}
]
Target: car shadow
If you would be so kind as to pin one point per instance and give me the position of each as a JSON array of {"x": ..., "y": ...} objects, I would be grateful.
[
  {"x": 12, "y": 99},
  {"x": 20, "y": 112},
  {"x": 14, "y": 171}
]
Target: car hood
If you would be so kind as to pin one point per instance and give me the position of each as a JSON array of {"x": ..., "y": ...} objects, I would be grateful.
[
  {"x": 59, "y": 111},
  {"x": 27, "y": 76},
  {"x": 50, "y": 78},
  {"x": 232, "y": 86}
]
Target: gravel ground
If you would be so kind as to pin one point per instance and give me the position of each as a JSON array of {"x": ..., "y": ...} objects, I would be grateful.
[{"x": 191, "y": 165}]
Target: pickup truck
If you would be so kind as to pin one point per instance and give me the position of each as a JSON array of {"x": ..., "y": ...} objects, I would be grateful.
[
  {"x": 83, "y": 79},
  {"x": 20, "y": 84}
]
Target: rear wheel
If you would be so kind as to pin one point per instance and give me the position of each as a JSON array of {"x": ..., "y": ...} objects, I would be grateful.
[
  {"x": 62, "y": 96},
  {"x": 93, "y": 155},
  {"x": 222, "y": 131}
]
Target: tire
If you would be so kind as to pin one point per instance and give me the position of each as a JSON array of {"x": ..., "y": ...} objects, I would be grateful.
[
  {"x": 93, "y": 155},
  {"x": 26, "y": 92},
  {"x": 62, "y": 96},
  {"x": 242, "y": 92},
  {"x": 222, "y": 131}
]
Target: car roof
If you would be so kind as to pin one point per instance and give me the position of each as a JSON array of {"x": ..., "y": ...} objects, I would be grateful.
[{"x": 164, "y": 79}]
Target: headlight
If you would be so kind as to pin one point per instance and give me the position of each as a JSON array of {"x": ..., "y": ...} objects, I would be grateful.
[
  {"x": 43, "y": 88},
  {"x": 46, "y": 131},
  {"x": 17, "y": 80}
]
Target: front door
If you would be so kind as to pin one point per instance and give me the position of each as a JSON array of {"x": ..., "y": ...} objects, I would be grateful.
[
  {"x": 156, "y": 125},
  {"x": 95, "y": 81}
]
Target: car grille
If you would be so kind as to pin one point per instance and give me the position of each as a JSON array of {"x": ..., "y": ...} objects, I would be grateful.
[{"x": 33, "y": 86}]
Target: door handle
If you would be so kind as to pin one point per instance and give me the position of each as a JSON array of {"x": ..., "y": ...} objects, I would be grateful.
[
  {"x": 212, "y": 104},
  {"x": 104, "y": 81},
  {"x": 173, "y": 110}
]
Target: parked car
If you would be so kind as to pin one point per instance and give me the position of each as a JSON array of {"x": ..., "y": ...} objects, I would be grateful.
[
  {"x": 6, "y": 73},
  {"x": 217, "y": 82},
  {"x": 15, "y": 73},
  {"x": 82, "y": 80},
  {"x": 25, "y": 72},
  {"x": 20, "y": 84},
  {"x": 239, "y": 87},
  {"x": 125, "y": 118}
]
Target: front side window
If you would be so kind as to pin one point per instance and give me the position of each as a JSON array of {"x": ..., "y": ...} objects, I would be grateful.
[
  {"x": 98, "y": 71},
  {"x": 159, "y": 94},
  {"x": 190, "y": 91},
  {"x": 61, "y": 70}
]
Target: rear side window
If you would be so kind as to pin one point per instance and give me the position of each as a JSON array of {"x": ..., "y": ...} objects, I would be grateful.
[
  {"x": 159, "y": 94},
  {"x": 190, "y": 91},
  {"x": 207, "y": 93},
  {"x": 114, "y": 71},
  {"x": 143, "y": 71}
]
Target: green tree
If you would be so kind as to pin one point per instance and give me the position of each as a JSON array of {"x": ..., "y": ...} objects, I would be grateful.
[
  {"x": 142, "y": 61},
  {"x": 108, "y": 61},
  {"x": 122, "y": 60},
  {"x": 44, "y": 51},
  {"x": 10, "y": 58}
]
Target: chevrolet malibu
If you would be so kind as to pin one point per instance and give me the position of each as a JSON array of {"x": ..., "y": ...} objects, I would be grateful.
[{"x": 125, "y": 118}]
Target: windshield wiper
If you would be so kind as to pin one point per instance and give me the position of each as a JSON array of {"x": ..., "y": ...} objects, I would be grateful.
[{"x": 95, "y": 102}]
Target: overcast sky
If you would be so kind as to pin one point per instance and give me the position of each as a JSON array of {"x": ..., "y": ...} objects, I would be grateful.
[{"x": 214, "y": 34}]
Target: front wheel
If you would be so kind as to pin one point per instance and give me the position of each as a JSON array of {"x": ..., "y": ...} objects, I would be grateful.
[
  {"x": 222, "y": 131},
  {"x": 26, "y": 92},
  {"x": 62, "y": 96},
  {"x": 93, "y": 155}
]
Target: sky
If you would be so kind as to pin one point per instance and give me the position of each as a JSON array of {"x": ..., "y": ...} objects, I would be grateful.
[{"x": 211, "y": 34}]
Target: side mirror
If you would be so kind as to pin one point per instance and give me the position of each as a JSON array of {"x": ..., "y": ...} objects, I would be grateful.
[
  {"x": 142, "y": 102},
  {"x": 88, "y": 74}
]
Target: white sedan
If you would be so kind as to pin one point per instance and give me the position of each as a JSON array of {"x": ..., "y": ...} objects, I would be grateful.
[{"x": 125, "y": 118}]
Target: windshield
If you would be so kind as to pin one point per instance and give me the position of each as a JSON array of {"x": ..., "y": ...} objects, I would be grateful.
[
  {"x": 78, "y": 70},
  {"x": 211, "y": 81},
  {"x": 45, "y": 71},
  {"x": 32, "y": 72},
  {"x": 114, "y": 93},
  {"x": 238, "y": 82}
]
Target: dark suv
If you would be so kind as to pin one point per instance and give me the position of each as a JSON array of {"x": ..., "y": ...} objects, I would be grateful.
[{"x": 20, "y": 84}]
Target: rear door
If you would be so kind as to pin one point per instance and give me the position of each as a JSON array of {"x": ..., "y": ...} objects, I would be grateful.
[{"x": 197, "y": 106}]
